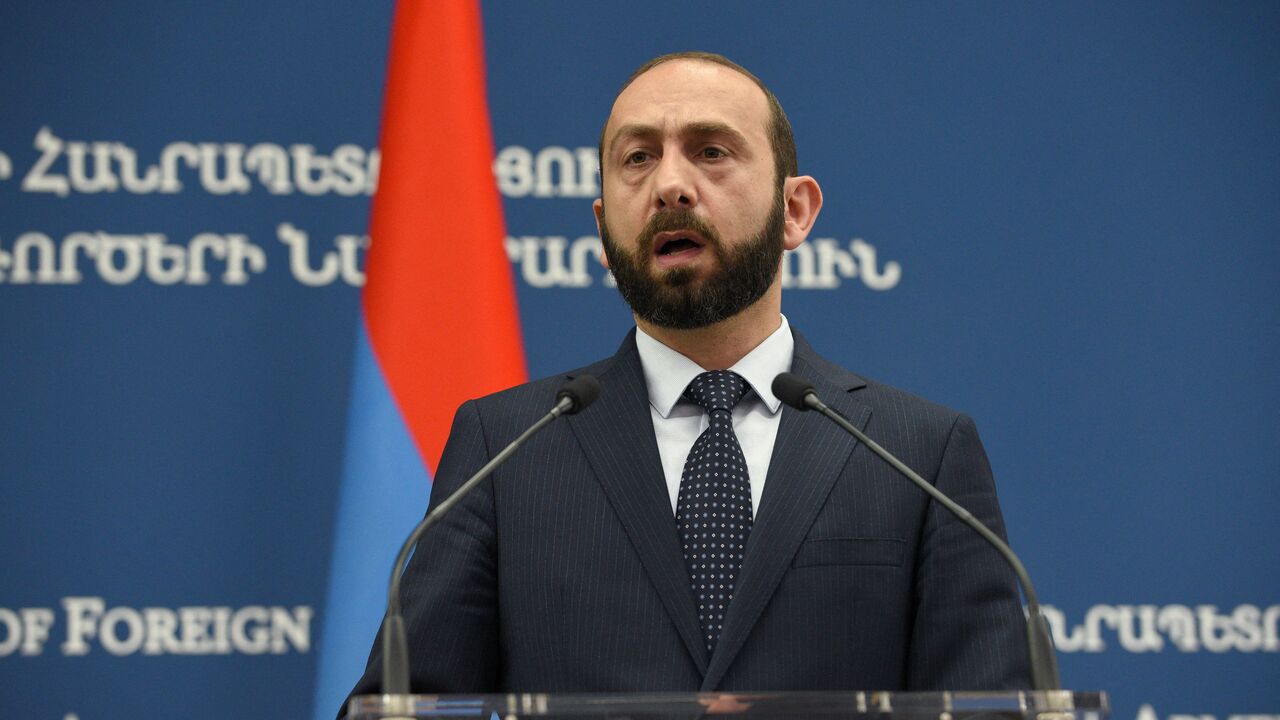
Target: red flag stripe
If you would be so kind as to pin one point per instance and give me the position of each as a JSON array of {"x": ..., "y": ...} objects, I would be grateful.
[{"x": 439, "y": 301}]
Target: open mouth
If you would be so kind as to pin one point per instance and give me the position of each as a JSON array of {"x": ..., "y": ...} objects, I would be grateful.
[{"x": 676, "y": 242}]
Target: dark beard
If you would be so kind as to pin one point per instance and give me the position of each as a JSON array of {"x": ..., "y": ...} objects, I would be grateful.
[{"x": 671, "y": 298}]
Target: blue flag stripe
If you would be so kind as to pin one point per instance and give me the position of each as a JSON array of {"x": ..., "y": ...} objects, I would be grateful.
[{"x": 385, "y": 488}]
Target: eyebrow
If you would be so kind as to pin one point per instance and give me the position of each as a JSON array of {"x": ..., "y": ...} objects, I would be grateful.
[{"x": 696, "y": 129}]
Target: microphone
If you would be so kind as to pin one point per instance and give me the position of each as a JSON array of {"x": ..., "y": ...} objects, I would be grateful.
[
  {"x": 580, "y": 391},
  {"x": 800, "y": 394},
  {"x": 571, "y": 398}
]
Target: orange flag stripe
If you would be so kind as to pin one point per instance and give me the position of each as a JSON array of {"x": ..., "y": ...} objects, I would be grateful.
[{"x": 439, "y": 301}]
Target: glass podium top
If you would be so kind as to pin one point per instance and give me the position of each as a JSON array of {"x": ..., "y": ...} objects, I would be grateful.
[{"x": 1045, "y": 705}]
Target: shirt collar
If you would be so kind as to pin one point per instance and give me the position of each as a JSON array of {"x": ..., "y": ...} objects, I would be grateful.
[{"x": 667, "y": 373}]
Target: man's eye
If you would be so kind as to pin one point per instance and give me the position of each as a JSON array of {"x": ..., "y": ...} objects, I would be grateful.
[
  {"x": 637, "y": 157},
  {"x": 713, "y": 153}
]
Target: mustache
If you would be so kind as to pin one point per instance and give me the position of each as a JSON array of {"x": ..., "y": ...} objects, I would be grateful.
[{"x": 677, "y": 219}]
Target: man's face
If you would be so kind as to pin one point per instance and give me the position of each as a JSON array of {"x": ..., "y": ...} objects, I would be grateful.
[{"x": 694, "y": 225}]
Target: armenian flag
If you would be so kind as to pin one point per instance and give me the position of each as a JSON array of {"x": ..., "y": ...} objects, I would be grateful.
[{"x": 438, "y": 322}]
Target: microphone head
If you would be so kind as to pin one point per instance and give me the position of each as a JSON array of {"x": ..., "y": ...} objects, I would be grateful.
[
  {"x": 792, "y": 390},
  {"x": 582, "y": 390}
]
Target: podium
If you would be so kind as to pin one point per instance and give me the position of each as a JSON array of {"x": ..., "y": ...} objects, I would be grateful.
[{"x": 1024, "y": 705}]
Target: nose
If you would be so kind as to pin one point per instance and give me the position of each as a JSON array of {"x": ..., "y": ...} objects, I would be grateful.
[{"x": 674, "y": 185}]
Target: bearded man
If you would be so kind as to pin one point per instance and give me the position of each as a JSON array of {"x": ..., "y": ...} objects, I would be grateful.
[{"x": 686, "y": 532}]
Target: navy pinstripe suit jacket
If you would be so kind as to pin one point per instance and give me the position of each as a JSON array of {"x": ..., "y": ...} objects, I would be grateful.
[{"x": 563, "y": 571}]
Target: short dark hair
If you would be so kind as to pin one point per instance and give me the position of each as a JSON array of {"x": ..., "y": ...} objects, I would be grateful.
[{"x": 781, "y": 138}]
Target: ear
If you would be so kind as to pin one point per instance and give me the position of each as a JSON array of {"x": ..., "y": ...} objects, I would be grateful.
[
  {"x": 802, "y": 199},
  {"x": 597, "y": 208}
]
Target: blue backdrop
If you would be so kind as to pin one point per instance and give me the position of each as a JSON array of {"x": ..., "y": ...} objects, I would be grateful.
[{"x": 1061, "y": 219}]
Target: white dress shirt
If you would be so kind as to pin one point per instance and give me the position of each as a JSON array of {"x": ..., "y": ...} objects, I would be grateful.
[{"x": 678, "y": 421}]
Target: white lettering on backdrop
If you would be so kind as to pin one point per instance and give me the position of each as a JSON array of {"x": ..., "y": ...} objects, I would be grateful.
[
  {"x": 1147, "y": 712},
  {"x": 65, "y": 167},
  {"x": 1152, "y": 628},
  {"x": 233, "y": 259},
  {"x": 122, "y": 631}
]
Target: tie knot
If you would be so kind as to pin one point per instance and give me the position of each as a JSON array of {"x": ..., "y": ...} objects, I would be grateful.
[{"x": 717, "y": 390}]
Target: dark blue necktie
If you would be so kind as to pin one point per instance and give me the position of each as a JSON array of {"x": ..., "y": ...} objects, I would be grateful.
[{"x": 713, "y": 512}]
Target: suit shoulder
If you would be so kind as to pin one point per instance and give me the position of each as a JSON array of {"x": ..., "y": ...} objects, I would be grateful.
[
  {"x": 888, "y": 397},
  {"x": 882, "y": 397},
  {"x": 899, "y": 407},
  {"x": 919, "y": 431}
]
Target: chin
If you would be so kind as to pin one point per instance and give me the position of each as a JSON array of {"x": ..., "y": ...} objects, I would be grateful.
[{"x": 677, "y": 277}]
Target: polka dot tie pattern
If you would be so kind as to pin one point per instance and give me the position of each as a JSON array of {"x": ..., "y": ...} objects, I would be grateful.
[{"x": 713, "y": 512}]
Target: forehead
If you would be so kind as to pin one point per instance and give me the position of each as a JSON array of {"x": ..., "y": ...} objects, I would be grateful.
[{"x": 678, "y": 93}]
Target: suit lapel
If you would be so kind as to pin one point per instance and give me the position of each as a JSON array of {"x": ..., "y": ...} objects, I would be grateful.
[
  {"x": 617, "y": 436},
  {"x": 808, "y": 456}
]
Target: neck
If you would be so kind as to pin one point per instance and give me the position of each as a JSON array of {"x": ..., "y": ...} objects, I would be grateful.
[{"x": 719, "y": 346}]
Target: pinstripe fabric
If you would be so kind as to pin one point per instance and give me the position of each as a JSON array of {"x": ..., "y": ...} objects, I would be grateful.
[{"x": 564, "y": 571}]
